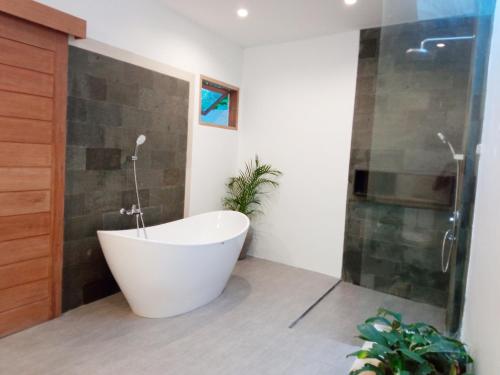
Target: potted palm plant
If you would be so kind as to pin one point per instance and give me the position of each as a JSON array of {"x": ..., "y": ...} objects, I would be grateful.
[
  {"x": 398, "y": 348},
  {"x": 245, "y": 192}
]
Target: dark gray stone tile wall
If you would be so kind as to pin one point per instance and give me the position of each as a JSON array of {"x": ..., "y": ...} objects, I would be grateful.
[
  {"x": 110, "y": 103},
  {"x": 401, "y": 103}
]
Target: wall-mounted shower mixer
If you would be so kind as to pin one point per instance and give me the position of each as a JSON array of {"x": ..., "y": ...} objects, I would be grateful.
[{"x": 133, "y": 211}]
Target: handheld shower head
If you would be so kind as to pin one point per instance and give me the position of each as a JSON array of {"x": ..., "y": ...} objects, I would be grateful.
[
  {"x": 140, "y": 140},
  {"x": 442, "y": 137},
  {"x": 446, "y": 142}
]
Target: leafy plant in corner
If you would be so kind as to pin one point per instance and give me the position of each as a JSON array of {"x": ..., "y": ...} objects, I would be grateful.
[
  {"x": 245, "y": 191},
  {"x": 407, "y": 349}
]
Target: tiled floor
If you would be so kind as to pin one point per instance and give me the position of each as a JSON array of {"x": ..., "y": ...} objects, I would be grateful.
[
  {"x": 337, "y": 316},
  {"x": 245, "y": 331}
]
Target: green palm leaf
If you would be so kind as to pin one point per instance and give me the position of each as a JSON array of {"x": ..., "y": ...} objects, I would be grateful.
[{"x": 245, "y": 191}]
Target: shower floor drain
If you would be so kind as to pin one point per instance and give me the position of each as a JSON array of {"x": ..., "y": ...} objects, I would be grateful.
[{"x": 311, "y": 308}]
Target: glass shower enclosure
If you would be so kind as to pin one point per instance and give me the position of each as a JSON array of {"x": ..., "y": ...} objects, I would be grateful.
[{"x": 413, "y": 161}]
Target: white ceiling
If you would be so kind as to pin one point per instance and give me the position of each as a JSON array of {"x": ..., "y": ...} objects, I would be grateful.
[{"x": 276, "y": 21}]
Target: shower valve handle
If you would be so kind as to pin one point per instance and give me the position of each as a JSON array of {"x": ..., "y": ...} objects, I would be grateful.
[{"x": 133, "y": 211}]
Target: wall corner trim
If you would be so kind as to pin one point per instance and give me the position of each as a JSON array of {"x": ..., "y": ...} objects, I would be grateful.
[{"x": 46, "y": 16}]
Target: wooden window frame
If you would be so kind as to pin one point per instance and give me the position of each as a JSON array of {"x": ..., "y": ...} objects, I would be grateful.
[{"x": 234, "y": 94}]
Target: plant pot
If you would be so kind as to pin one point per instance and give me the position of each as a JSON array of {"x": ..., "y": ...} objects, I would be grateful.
[{"x": 247, "y": 243}]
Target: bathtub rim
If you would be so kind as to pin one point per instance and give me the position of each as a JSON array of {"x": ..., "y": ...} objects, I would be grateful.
[{"x": 117, "y": 233}]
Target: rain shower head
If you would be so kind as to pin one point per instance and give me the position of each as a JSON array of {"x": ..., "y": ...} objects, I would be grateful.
[
  {"x": 423, "y": 53},
  {"x": 140, "y": 140},
  {"x": 419, "y": 53}
]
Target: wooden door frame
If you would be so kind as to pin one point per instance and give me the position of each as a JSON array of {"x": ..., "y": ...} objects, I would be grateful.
[
  {"x": 58, "y": 172},
  {"x": 44, "y": 15}
]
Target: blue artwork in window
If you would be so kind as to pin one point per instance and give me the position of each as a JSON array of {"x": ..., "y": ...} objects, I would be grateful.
[{"x": 215, "y": 107}]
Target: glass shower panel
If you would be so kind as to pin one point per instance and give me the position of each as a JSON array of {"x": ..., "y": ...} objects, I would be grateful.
[
  {"x": 477, "y": 90},
  {"x": 410, "y": 156},
  {"x": 417, "y": 95}
]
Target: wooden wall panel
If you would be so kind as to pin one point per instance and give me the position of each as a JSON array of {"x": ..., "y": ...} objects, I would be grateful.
[
  {"x": 24, "y": 317},
  {"x": 25, "y": 56},
  {"x": 24, "y": 202},
  {"x": 15, "y": 227},
  {"x": 24, "y": 294},
  {"x": 24, "y": 249},
  {"x": 25, "y": 179},
  {"x": 33, "y": 100},
  {"x": 25, "y": 155},
  {"x": 24, "y": 272},
  {"x": 25, "y": 106},
  {"x": 25, "y": 130},
  {"x": 26, "y": 81}
]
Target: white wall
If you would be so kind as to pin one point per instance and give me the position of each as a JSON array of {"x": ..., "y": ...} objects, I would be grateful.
[
  {"x": 482, "y": 307},
  {"x": 150, "y": 29},
  {"x": 297, "y": 111},
  {"x": 298, "y": 105}
]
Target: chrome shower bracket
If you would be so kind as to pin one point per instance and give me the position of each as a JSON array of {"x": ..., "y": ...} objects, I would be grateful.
[{"x": 456, "y": 217}]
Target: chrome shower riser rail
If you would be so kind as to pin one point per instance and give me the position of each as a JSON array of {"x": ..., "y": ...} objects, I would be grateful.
[{"x": 137, "y": 210}]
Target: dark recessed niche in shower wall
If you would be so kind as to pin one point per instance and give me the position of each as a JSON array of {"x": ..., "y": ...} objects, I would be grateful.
[
  {"x": 406, "y": 189},
  {"x": 110, "y": 103}
]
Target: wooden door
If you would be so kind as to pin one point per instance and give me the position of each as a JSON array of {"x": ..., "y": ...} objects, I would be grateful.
[{"x": 33, "y": 85}]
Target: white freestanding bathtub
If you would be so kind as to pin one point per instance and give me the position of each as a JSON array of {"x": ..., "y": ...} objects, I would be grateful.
[{"x": 181, "y": 266}]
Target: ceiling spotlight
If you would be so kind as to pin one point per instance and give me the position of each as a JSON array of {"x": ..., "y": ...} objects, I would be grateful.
[
  {"x": 242, "y": 13},
  {"x": 440, "y": 45},
  {"x": 350, "y": 2}
]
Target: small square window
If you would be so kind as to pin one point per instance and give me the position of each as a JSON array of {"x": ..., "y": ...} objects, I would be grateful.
[{"x": 218, "y": 104}]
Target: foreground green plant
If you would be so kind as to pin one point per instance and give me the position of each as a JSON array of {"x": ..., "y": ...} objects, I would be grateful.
[
  {"x": 407, "y": 349},
  {"x": 244, "y": 192}
]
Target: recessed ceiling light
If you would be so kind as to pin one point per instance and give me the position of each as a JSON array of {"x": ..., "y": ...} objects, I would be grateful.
[
  {"x": 440, "y": 45},
  {"x": 350, "y": 2},
  {"x": 242, "y": 13}
]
